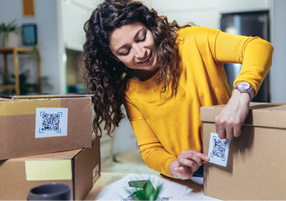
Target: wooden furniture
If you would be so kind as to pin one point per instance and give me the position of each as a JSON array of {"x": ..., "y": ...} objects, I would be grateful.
[{"x": 15, "y": 51}]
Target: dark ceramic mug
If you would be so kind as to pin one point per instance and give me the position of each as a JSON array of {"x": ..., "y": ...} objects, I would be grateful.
[{"x": 52, "y": 191}]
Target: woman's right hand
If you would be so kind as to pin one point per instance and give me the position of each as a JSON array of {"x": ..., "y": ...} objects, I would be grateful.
[{"x": 187, "y": 163}]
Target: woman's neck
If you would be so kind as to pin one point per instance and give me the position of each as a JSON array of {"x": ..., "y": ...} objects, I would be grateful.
[{"x": 142, "y": 75}]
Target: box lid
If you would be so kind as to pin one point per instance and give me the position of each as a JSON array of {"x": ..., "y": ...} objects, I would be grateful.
[
  {"x": 67, "y": 155},
  {"x": 260, "y": 114},
  {"x": 62, "y": 155}
]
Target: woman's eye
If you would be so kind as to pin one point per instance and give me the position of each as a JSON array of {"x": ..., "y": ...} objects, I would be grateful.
[
  {"x": 124, "y": 53},
  {"x": 142, "y": 39}
]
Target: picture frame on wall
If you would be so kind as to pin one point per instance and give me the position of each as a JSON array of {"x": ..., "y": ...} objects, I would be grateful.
[
  {"x": 29, "y": 34},
  {"x": 28, "y": 8}
]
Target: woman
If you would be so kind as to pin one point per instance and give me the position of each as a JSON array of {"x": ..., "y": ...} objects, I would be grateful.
[{"x": 163, "y": 74}]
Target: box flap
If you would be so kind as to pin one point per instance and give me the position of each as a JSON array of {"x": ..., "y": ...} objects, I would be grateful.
[
  {"x": 53, "y": 156},
  {"x": 260, "y": 114},
  {"x": 4, "y": 97}
]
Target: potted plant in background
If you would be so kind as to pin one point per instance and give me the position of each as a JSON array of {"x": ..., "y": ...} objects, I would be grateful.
[{"x": 10, "y": 34}]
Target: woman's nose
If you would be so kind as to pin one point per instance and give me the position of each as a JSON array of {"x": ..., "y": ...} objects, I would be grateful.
[{"x": 140, "y": 52}]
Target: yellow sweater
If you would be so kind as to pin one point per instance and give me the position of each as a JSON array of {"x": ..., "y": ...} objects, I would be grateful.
[{"x": 165, "y": 125}]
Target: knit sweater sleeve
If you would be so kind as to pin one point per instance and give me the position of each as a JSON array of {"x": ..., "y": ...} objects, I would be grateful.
[{"x": 254, "y": 53}]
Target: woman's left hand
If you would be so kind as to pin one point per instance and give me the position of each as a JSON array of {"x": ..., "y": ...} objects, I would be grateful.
[
  {"x": 229, "y": 121},
  {"x": 187, "y": 163}
]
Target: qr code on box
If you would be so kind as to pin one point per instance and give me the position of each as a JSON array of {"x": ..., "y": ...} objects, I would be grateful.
[
  {"x": 51, "y": 122},
  {"x": 218, "y": 150}
]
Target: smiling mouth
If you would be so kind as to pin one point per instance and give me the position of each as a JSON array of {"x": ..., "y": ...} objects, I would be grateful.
[{"x": 147, "y": 60}]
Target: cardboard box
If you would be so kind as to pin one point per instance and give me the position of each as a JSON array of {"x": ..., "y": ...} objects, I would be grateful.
[
  {"x": 78, "y": 168},
  {"x": 32, "y": 125},
  {"x": 256, "y": 161}
]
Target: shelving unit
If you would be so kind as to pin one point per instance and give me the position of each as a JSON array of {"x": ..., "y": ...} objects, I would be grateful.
[{"x": 15, "y": 51}]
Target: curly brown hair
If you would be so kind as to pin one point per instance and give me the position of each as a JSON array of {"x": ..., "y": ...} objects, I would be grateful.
[{"x": 106, "y": 77}]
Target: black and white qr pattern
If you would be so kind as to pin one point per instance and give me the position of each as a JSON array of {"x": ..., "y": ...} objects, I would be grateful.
[
  {"x": 50, "y": 122},
  {"x": 219, "y": 148}
]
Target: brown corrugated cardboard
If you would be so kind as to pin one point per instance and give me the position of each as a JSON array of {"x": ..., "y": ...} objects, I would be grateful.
[
  {"x": 44, "y": 124},
  {"x": 78, "y": 168},
  {"x": 255, "y": 167}
]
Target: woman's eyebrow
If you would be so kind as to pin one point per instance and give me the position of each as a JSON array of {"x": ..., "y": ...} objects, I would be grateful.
[{"x": 136, "y": 36}]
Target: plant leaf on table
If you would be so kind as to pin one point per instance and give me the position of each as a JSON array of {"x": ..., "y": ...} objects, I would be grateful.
[{"x": 145, "y": 190}]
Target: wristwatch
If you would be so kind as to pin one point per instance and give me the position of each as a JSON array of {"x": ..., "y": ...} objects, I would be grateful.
[{"x": 245, "y": 87}]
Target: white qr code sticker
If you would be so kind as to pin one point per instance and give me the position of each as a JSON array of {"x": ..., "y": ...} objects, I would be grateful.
[
  {"x": 51, "y": 122},
  {"x": 218, "y": 150}
]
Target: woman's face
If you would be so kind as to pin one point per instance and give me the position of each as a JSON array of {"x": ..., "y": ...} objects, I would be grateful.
[{"x": 134, "y": 46}]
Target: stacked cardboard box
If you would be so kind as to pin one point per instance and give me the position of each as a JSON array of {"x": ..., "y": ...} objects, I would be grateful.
[
  {"x": 255, "y": 166},
  {"x": 47, "y": 139}
]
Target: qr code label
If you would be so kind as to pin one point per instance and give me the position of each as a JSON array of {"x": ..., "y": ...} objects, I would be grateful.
[
  {"x": 218, "y": 150},
  {"x": 51, "y": 122}
]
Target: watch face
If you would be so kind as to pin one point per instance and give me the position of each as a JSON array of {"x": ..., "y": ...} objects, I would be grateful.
[{"x": 244, "y": 86}]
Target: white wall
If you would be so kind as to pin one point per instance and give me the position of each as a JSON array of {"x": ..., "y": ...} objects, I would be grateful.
[
  {"x": 59, "y": 25},
  {"x": 74, "y": 14},
  {"x": 204, "y": 12},
  {"x": 229, "y": 6},
  {"x": 278, "y": 39},
  {"x": 49, "y": 42}
]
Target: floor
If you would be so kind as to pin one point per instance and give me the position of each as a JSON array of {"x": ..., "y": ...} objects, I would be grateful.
[{"x": 129, "y": 162}]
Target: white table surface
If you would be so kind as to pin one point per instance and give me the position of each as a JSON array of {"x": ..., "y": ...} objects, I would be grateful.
[{"x": 114, "y": 186}]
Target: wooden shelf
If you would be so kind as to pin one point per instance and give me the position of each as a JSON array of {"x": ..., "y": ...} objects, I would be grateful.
[
  {"x": 7, "y": 86},
  {"x": 15, "y": 51},
  {"x": 18, "y": 49}
]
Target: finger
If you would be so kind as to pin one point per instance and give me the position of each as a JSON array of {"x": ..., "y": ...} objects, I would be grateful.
[
  {"x": 203, "y": 157},
  {"x": 180, "y": 169},
  {"x": 184, "y": 172},
  {"x": 229, "y": 133},
  {"x": 220, "y": 130},
  {"x": 204, "y": 162},
  {"x": 192, "y": 165},
  {"x": 190, "y": 162},
  {"x": 237, "y": 131},
  {"x": 221, "y": 133},
  {"x": 193, "y": 157},
  {"x": 194, "y": 154}
]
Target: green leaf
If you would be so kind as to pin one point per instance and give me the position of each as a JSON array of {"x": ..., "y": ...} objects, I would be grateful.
[
  {"x": 141, "y": 195},
  {"x": 157, "y": 191},
  {"x": 12, "y": 26},
  {"x": 149, "y": 189},
  {"x": 144, "y": 190}
]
